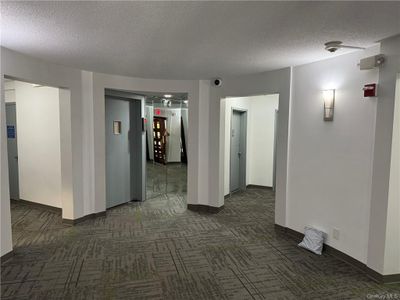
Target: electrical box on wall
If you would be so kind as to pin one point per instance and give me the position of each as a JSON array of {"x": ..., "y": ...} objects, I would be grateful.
[{"x": 370, "y": 90}]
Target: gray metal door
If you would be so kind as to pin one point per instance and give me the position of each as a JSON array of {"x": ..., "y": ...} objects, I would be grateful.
[
  {"x": 275, "y": 144},
  {"x": 12, "y": 148},
  {"x": 238, "y": 151},
  {"x": 118, "y": 184}
]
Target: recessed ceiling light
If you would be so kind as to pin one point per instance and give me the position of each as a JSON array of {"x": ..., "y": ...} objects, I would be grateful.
[{"x": 167, "y": 95}]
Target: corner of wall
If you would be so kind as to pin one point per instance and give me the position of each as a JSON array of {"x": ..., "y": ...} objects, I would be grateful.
[
  {"x": 378, "y": 242},
  {"x": 5, "y": 225},
  {"x": 286, "y": 221}
]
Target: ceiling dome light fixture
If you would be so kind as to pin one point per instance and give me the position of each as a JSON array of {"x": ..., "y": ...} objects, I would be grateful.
[
  {"x": 167, "y": 95},
  {"x": 333, "y": 46}
]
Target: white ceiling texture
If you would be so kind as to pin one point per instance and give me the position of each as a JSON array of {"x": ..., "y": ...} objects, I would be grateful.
[{"x": 194, "y": 39}]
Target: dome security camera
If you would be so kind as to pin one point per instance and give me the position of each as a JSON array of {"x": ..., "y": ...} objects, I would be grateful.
[
  {"x": 333, "y": 46},
  {"x": 332, "y": 49},
  {"x": 217, "y": 81}
]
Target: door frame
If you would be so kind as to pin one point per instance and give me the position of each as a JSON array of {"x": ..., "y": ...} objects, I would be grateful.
[
  {"x": 67, "y": 135},
  {"x": 242, "y": 175},
  {"x": 276, "y": 120},
  {"x": 16, "y": 136},
  {"x": 109, "y": 95}
]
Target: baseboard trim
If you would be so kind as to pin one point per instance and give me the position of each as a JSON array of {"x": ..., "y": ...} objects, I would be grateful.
[
  {"x": 59, "y": 210},
  {"x": 38, "y": 205},
  {"x": 255, "y": 186},
  {"x": 204, "y": 208},
  {"x": 235, "y": 192},
  {"x": 386, "y": 279},
  {"x": 6, "y": 256},
  {"x": 84, "y": 218},
  {"x": 136, "y": 200}
]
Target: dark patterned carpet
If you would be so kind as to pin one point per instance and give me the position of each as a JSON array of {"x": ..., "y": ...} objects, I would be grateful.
[{"x": 160, "y": 250}]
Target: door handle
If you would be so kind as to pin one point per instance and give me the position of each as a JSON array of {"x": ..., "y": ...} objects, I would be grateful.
[
  {"x": 16, "y": 157},
  {"x": 239, "y": 153}
]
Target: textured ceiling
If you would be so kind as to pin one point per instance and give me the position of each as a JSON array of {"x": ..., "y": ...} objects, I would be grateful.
[{"x": 191, "y": 40}]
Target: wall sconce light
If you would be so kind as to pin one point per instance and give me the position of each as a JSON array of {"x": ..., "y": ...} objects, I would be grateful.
[{"x": 329, "y": 104}]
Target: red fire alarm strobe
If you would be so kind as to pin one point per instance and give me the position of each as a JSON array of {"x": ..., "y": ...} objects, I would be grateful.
[{"x": 370, "y": 90}]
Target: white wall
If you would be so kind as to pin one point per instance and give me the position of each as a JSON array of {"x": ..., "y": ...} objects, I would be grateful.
[
  {"x": 5, "y": 221},
  {"x": 392, "y": 248},
  {"x": 149, "y": 114},
  {"x": 331, "y": 162},
  {"x": 87, "y": 137},
  {"x": 39, "y": 160},
  {"x": 260, "y": 137},
  {"x": 380, "y": 220},
  {"x": 9, "y": 91}
]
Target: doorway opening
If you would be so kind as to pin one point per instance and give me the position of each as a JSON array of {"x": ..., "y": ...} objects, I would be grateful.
[
  {"x": 249, "y": 135},
  {"x": 166, "y": 116},
  {"x": 34, "y": 143},
  {"x": 146, "y": 146},
  {"x": 238, "y": 153}
]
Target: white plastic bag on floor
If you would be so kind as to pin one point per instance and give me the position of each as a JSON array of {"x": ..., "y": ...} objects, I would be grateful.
[{"x": 313, "y": 240}]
